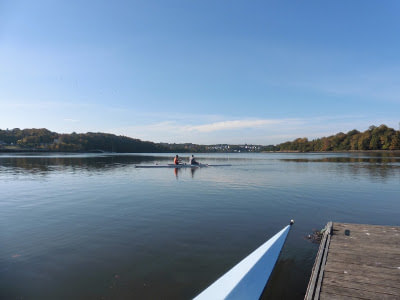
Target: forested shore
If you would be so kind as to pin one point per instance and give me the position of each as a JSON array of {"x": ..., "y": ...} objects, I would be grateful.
[
  {"x": 45, "y": 140},
  {"x": 380, "y": 138},
  {"x": 375, "y": 138}
]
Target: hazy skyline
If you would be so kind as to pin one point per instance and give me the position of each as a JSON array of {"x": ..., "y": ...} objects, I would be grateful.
[{"x": 260, "y": 72}]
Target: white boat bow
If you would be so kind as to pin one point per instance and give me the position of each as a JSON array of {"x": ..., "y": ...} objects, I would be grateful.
[{"x": 249, "y": 277}]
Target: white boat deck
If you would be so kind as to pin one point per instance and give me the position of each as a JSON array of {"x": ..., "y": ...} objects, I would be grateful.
[{"x": 249, "y": 277}]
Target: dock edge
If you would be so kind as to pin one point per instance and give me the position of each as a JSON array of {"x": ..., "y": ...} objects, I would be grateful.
[{"x": 314, "y": 285}]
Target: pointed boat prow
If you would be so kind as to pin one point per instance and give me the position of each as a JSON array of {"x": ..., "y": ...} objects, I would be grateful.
[{"x": 249, "y": 277}]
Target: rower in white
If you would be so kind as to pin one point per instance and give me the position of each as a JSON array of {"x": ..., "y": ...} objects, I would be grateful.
[{"x": 192, "y": 160}]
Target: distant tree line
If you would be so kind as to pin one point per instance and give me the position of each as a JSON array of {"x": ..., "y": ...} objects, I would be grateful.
[
  {"x": 17, "y": 136},
  {"x": 375, "y": 138},
  {"x": 45, "y": 140},
  {"x": 185, "y": 148}
]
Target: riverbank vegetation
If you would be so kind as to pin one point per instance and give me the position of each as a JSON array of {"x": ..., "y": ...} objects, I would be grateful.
[
  {"x": 375, "y": 138},
  {"x": 45, "y": 140}
]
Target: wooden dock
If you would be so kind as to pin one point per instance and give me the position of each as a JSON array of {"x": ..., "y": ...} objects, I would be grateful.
[{"x": 357, "y": 261}]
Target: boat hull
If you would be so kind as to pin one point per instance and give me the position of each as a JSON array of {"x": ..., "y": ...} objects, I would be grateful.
[
  {"x": 180, "y": 166},
  {"x": 249, "y": 277}
]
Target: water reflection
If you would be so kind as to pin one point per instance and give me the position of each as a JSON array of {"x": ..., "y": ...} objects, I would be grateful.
[
  {"x": 43, "y": 164},
  {"x": 377, "y": 165},
  {"x": 286, "y": 273},
  {"x": 192, "y": 171},
  {"x": 179, "y": 171},
  {"x": 114, "y": 231},
  {"x": 346, "y": 159},
  {"x": 176, "y": 171},
  {"x": 38, "y": 164}
]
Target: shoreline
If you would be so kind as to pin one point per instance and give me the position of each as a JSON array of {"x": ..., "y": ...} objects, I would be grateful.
[
  {"x": 106, "y": 152},
  {"x": 341, "y": 151}
]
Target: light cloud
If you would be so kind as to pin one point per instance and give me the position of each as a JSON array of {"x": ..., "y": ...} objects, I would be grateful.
[
  {"x": 254, "y": 131},
  {"x": 231, "y": 125},
  {"x": 178, "y": 127}
]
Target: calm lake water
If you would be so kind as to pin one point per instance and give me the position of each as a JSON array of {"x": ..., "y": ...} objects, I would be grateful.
[{"x": 96, "y": 227}]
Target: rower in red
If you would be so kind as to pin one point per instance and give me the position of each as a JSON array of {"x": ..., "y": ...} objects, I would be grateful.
[{"x": 176, "y": 160}]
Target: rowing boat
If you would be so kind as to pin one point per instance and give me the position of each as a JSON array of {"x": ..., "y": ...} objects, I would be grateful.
[
  {"x": 180, "y": 166},
  {"x": 249, "y": 277}
]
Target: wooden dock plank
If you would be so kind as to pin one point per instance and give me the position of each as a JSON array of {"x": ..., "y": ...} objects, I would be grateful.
[
  {"x": 351, "y": 284},
  {"x": 367, "y": 248},
  {"x": 356, "y": 268},
  {"x": 313, "y": 284},
  {"x": 366, "y": 227},
  {"x": 367, "y": 240},
  {"x": 370, "y": 279},
  {"x": 362, "y": 262},
  {"x": 382, "y": 238},
  {"x": 322, "y": 268},
  {"x": 349, "y": 292},
  {"x": 371, "y": 254},
  {"x": 329, "y": 296},
  {"x": 394, "y": 254}
]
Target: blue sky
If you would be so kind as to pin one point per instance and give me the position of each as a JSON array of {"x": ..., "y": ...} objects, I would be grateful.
[{"x": 205, "y": 72}]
